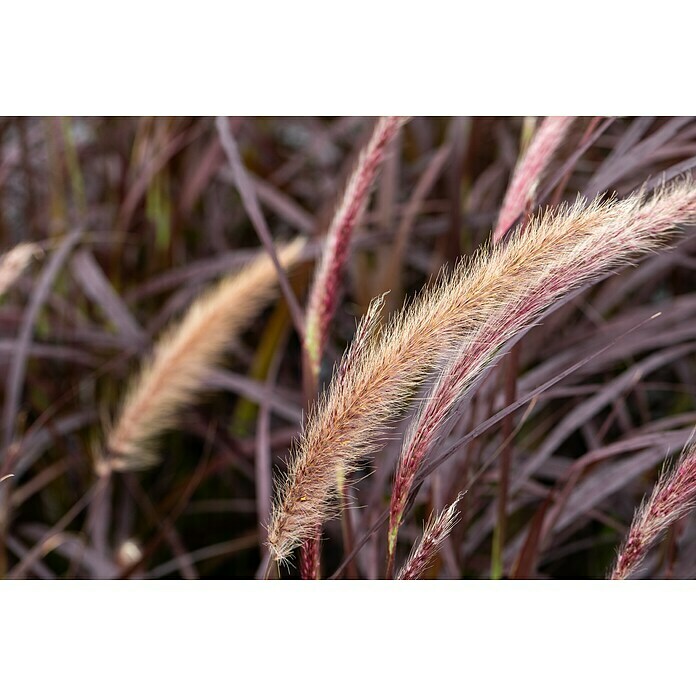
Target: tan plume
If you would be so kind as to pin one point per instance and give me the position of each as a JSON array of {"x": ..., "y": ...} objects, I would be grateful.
[
  {"x": 173, "y": 375},
  {"x": 14, "y": 262},
  {"x": 561, "y": 250}
]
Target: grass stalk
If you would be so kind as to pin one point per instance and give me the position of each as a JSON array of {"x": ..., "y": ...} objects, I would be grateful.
[{"x": 507, "y": 432}]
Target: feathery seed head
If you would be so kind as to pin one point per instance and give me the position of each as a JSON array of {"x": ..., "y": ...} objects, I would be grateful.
[
  {"x": 471, "y": 313},
  {"x": 325, "y": 288},
  {"x": 560, "y": 250},
  {"x": 13, "y": 263},
  {"x": 174, "y": 373},
  {"x": 424, "y": 552},
  {"x": 529, "y": 170},
  {"x": 673, "y": 497}
]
